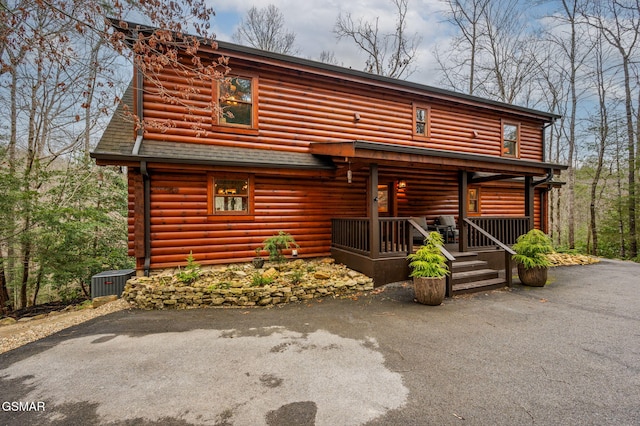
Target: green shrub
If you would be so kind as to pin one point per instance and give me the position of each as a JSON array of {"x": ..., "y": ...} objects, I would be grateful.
[
  {"x": 428, "y": 261},
  {"x": 257, "y": 280},
  {"x": 191, "y": 271},
  {"x": 296, "y": 277},
  {"x": 274, "y": 245},
  {"x": 531, "y": 249}
]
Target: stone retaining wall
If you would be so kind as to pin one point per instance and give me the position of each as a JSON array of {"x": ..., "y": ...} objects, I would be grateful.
[{"x": 236, "y": 285}]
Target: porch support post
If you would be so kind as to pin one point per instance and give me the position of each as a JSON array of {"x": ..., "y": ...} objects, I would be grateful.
[
  {"x": 374, "y": 228},
  {"x": 462, "y": 210},
  {"x": 529, "y": 198}
]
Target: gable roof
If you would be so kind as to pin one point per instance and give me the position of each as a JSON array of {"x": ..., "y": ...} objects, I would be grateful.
[
  {"x": 349, "y": 74},
  {"x": 381, "y": 81},
  {"x": 119, "y": 135},
  {"x": 118, "y": 142}
]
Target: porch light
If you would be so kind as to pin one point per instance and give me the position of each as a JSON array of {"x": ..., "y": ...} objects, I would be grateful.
[{"x": 402, "y": 184}]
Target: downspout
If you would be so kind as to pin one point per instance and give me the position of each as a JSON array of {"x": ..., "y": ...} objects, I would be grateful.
[
  {"x": 544, "y": 139},
  {"x": 547, "y": 179},
  {"x": 146, "y": 179},
  {"x": 146, "y": 202},
  {"x": 146, "y": 183}
]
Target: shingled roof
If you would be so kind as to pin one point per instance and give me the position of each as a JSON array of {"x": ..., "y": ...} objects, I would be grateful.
[
  {"x": 118, "y": 145},
  {"x": 119, "y": 137}
]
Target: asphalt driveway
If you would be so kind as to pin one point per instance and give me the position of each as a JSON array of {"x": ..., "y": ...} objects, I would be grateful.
[{"x": 566, "y": 354}]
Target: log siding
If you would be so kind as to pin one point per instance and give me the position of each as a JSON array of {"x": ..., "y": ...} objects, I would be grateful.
[
  {"x": 295, "y": 110},
  {"x": 298, "y": 104}
]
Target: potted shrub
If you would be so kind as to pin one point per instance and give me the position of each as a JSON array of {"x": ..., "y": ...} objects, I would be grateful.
[
  {"x": 429, "y": 271},
  {"x": 531, "y": 250},
  {"x": 276, "y": 244},
  {"x": 258, "y": 261}
]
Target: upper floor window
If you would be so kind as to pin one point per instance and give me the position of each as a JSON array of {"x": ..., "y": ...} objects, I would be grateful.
[
  {"x": 421, "y": 121},
  {"x": 237, "y": 101},
  {"x": 510, "y": 139}
]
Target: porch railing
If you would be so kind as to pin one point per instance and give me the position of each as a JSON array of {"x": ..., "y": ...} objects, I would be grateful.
[
  {"x": 503, "y": 229},
  {"x": 395, "y": 237},
  {"x": 354, "y": 234},
  {"x": 508, "y": 252},
  {"x": 351, "y": 234}
]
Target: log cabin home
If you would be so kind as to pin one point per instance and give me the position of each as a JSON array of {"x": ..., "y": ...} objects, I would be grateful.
[{"x": 352, "y": 165}]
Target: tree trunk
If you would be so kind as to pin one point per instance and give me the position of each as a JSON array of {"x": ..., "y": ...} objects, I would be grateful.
[
  {"x": 36, "y": 289},
  {"x": 623, "y": 251},
  {"x": 5, "y": 301},
  {"x": 631, "y": 148},
  {"x": 26, "y": 259}
]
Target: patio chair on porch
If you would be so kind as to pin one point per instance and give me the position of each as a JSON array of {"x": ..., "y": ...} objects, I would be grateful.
[
  {"x": 418, "y": 238},
  {"x": 448, "y": 228}
]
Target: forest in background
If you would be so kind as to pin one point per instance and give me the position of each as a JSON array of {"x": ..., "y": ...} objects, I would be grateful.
[{"x": 63, "y": 219}]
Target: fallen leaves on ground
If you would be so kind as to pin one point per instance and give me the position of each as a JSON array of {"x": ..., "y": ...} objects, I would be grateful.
[{"x": 566, "y": 259}]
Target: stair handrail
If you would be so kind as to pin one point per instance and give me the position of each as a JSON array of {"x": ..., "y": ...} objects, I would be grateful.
[
  {"x": 508, "y": 251},
  {"x": 425, "y": 233},
  {"x": 450, "y": 258}
]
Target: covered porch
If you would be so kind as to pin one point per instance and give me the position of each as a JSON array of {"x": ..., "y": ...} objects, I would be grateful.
[{"x": 404, "y": 183}]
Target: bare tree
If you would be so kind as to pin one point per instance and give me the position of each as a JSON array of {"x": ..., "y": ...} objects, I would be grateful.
[
  {"x": 572, "y": 50},
  {"x": 467, "y": 16},
  {"x": 328, "y": 57},
  {"x": 510, "y": 52},
  {"x": 602, "y": 136},
  {"x": 391, "y": 54},
  {"x": 264, "y": 29},
  {"x": 54, "y": 85},
  {"x": 496, "y": 52},
  {"x": 619, "y": 23}
]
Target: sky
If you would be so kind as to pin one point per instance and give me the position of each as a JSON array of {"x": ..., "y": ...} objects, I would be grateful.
[{"x": 313, "y": 21}]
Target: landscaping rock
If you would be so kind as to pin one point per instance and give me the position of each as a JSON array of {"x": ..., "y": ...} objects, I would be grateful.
[
  {"x": 103, "y": 300},
  {"x": 7, "y": 321},
  {"x": 235, "y": 286}
]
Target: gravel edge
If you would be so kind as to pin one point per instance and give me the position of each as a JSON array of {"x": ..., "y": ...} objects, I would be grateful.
[{"x": 19, "y": 334}]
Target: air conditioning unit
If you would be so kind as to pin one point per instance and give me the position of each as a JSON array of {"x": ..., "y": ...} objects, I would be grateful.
[{"x": 108, "y": 283}]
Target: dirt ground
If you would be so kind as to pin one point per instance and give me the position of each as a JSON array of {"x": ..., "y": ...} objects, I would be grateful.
[{"x": 30, "y": 329}]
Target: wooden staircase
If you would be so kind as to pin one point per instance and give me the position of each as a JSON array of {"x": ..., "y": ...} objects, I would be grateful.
[{"x": 470, "y": 275}]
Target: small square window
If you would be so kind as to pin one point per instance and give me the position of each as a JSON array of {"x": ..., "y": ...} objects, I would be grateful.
[{"x": 230, "y": 196}]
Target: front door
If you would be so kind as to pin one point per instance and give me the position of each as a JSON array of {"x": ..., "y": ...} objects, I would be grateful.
[{"x": 387, "y": 200}]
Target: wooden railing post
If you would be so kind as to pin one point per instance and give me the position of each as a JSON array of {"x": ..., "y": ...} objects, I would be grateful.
[
  {"x": 529, "y": 197},
  {"x": 374, "y": 224},
  {"x": 508, "y": 268},
  {"x": 462, "y": 210}
]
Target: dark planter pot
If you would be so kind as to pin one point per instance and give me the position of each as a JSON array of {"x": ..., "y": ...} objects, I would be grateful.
[
  {"x": 534, "y": 277},
  {"x": 430, "y": 291},
  {"x": 258, "y": 262}
]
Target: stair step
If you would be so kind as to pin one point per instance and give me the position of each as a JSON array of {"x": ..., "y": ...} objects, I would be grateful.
[
  {"x": 476, "y": 286},
  {"x": 469, "y": 265},
  {"x": 474, "y": 275},
  {"x": 459, "y": 255}
]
